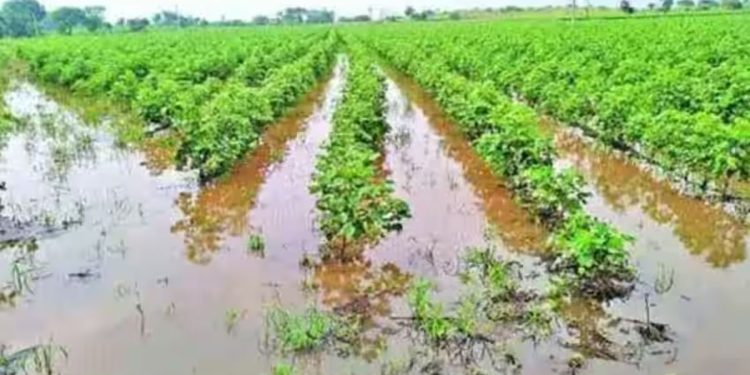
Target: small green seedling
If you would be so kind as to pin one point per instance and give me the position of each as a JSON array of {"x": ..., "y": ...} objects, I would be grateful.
[
  {"x": 256, "y": 245},
  {"x": 232, "y": 317},
  {"x": 283, "y": 369}
]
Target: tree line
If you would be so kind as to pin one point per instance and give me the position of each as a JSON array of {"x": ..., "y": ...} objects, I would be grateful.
[{"x": 668, "y": 5}]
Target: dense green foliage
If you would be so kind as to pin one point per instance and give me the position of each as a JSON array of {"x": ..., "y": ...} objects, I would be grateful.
[
  {"x": 217, "y": 89},
  {"x": 674, "y": 91},
  {"x": 356, "y": 203},
  {"x": 507, "y": 137}
]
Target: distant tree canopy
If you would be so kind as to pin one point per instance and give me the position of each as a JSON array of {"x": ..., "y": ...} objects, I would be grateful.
[
  {"x": 303, "y": 15},
  {"x": 65, "y": 19},
  {"x": 666, "y": 5},
  {"x": 21, "y": 18},
  {"x": 731, "y": 4},
  {"x": 94, "y": 18},
  {"x": 412, "y": 13},
  {"x": 261, "y": 20},
  {"x": 686, "y": 4},
  {"x": 359, "y": 18},
  {"x": 707, "y": 4},
  {"x": 167, "y": 18},
  {"x": 626, "y": 7},
  {"x": 137, "y": 24}
]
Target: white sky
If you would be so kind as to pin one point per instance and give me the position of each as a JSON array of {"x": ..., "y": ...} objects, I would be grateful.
[{"x": 246, "y": 9}]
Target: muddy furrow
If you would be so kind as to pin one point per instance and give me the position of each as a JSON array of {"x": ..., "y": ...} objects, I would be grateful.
[
  {"x": 455, "y": 201},
  {"x": 138, "y": 283},
  {"x": 273, "y": 176},
  {"x": 691, "y": 259}
]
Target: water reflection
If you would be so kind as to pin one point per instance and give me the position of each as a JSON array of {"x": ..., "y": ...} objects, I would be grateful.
[
  {"x": 359, "y": 287},
  {"x": 53, "y": 139},
  {"x": 220, "y": 210},
  {"x": 704, "y": 230},
  {"x": 514, "y": 225}
]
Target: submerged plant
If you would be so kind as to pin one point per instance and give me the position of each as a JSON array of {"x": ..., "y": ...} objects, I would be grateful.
[
  {"x": 497, "y": 277},
  {"x": 232, "y": 317},
  {"x": 39, "y": 359},
  {"x": 256, "y": 244},
  {"x": 428, "y": 314},
  {"x": 283, "y": 369},
  {"x": 308, "y": 331}
]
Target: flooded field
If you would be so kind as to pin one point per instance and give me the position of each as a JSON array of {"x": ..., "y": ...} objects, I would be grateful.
[
  {"x": 133, "y": 267},
  {"x": 697, "y": 250}
]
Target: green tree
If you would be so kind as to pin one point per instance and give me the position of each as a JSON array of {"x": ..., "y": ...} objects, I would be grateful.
[
  {"x": 22, "y": 17},
  {"x": 731, "y": 4},
  {"x": 686, "y": 4},
  {"x": 626, "y": 7},
  {"x": 261, "y": 20},
  {"x": 707, "y": 4},
  {"x": 666, "y": 5},
  {"x": 293, "y": 15},
  {"x": 137, "y": 24},
  {"x": 66, "y": 18},
  {"x": 319, "y": 16},
  {"x": 94, "y": 18},
  {"x": 410, "y": 11}
]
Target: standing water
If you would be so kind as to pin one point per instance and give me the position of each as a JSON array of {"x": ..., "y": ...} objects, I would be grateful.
[
  {"x": 690, "y": 256},
  {"x": 138, "y": 272}
]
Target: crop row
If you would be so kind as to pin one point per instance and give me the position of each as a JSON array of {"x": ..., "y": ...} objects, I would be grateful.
[
  {"x": 355, "y": 200},
  {"x": 674, "y": 92},
  {"x": 505, "y": 134},
  {"x": 217, "y": 90},
  {"x": 232, "y": 121}
]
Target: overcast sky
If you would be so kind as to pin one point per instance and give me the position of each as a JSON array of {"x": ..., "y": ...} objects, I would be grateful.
[{"x": 246, "y": 9}]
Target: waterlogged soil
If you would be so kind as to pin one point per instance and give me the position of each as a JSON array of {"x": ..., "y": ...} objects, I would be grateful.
[
  {"x": 145, "y": 278},
  {"x": 133, "y": 267},
  {"x": 691, "y": 258}
]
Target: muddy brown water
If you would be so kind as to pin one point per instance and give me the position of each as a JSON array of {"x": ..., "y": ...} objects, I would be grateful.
[
  {"x": 132, "y": 245},
  {"x": 165, "y": 260},
  {"x": 697, "y": 248}
]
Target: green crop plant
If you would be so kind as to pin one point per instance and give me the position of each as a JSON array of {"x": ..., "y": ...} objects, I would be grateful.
[
  {"x": 310, "y": 330},
  {"x": 506, "y": 135},
  {"x": 283, "y": 369},
  {"x": 592, "y": 247},
  {"x": 429, "y": 315},
  {"x": 495, "y": 276},
  {"x": 256, "y": 244},
  {"x": 654, "y": 89},
  {"x": 356, "y": 203},
  {"x": 217, "y": 90}
]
